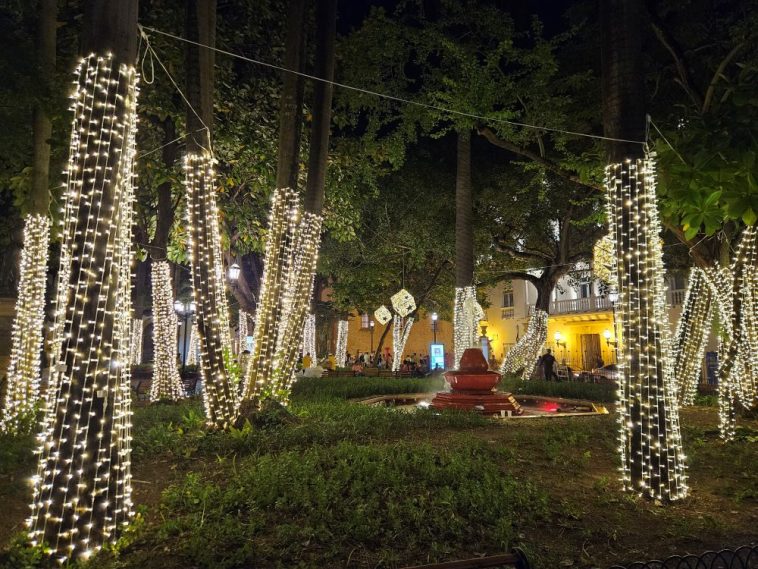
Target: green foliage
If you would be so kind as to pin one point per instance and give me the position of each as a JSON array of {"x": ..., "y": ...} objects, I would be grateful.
[
  {"x": 567, "y": 389},
  {"x": 317, "y": 388},
  {"x": 15, "y": 452},
  {"x": 306, "y": 508}
]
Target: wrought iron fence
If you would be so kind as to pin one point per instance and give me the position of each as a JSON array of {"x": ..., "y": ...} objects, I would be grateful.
[{"x": 745, "y": 557}]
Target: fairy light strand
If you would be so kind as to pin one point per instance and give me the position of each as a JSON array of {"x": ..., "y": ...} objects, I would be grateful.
[
  {"x": 524, "y": 355},
  {"x": 23, "y": 379},
  {"x": 135, "y": 343},
  {"x": 341, "y": 352},
  {"x": 650, "y": 444},
  {"x": 166, "y": 384},
  {"x": 466, "y": 316},
  {"x": 81, "y": 495}
]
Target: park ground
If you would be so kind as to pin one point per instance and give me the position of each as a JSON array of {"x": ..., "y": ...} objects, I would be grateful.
[{"x": 331, "y": 483}]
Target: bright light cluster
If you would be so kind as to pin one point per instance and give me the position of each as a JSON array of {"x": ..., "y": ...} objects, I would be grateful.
[
  {"x": 649, "y": 435},
  {"x": 309, "y": 338},
  {"x": 23, "y": 380},
  {"x": 691, "y": 337},
  {"x": 603, "y": 255},
  {"x": 290, "y": 260},
  {"x": 209, "y": 293},
  {"x": 401, "y": 330},
  {"x": 167, "y": 384},
  {"x": 524, "y": 355},
  {"x": 242, "y": 331},
  {"x": 194, "y": 347},
  {"x": 382, "y": 315},
  {"x": 135, "y": 343},
  {"x": 736, "y": 292},
  {"x": 403, "y": 302},
  {"x": 82, "y": 488},
  {"x": 341, "y": 355},
  {"x": 467, "y": 313}
]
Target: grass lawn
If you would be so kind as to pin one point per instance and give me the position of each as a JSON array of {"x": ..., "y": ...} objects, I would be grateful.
[{"x": 338, "y": 484}]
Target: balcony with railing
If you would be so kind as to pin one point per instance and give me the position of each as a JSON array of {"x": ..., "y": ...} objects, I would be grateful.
[{"x": 576, "y": 305}]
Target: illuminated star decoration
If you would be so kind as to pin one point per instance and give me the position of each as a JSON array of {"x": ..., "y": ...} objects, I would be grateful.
[{"x": 382, "y": 315}]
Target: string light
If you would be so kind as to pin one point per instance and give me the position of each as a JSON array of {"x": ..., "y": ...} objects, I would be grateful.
[
  {"x": 691, "y": 335},
  {"x": 290, "y": 258},
  {"x": 194, "y": 347},
  {"x": 467, "y": 313},
  {"x": 524, "y": 355},
  {"x": 382, "y": 315},
  {"x": 23, "y": 379},
  {"x": 167, "y": 384},
  {"x": 135, "y": 343},
  {"x": 652, "y": 460},
  {"x": 309, "y": 338},
  {"x": 403, "y": 302},
  {"x": 209, "y": 295},
  {"x": 242, "y": 330},
  {"x": 401, "y": 330},
  {"x": 342, "y": 327},
  {"x": 82, "y": 488}
]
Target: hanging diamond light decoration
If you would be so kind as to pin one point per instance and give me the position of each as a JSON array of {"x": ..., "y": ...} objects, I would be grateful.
[
  {"x": 403, "y": 303},
  {"x": 382, "y": 315}
]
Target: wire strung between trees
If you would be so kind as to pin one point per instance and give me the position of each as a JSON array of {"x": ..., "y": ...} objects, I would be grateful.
[{"x": 381, "y": 95}]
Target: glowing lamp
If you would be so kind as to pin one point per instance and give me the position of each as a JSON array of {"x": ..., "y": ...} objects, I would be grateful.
[
  {"x": 234, "y": 272},
  {"x": 179, "y": 306}
]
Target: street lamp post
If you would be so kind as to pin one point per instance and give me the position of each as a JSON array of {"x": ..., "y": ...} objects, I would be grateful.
[{"x": 434, "y": 326}]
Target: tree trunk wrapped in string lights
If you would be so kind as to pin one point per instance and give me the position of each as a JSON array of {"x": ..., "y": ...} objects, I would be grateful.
[
  {"x": 289, "y": 264},
  {"x": 166, "y": 381},
  {"x": 309, "y": 338},
  {"x": 82, "y": 488},
  {"x": 691, "y": 336},
  {"x": 737, "y": 292},
  {"x": 341, "y": 354},
  {"x": 242, "y": 330},
  {"x": 401, "y": 330},
  {"x": 212, "y": 317},
  {"x": 524, "y": 355},
  {"x": 466, "y": 316},
  {"x": 194, "y": 348},
  {"x": 649, "y": 436},
  {"x": 135, "y": 344},
  {"x": 23, "y": 386}
]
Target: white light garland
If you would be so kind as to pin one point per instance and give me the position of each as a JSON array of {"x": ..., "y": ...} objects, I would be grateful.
[
  {"x": 23, "y": 380},
  {"x": 135, "y": 344},
  {"x": 242, "y": 330},
  {"x": 401, "y": 330},
  {"x": 82, "y": 488},
  {"x": 166, "y": 384},
  {"x": 341, "y": 355},
  {"x": 466, "y": 316},
  {"x": 289, "y": 266},
  {"x": 209, "y": 293},
  {"x": 309, "y": 339},
  {"x": 691, "y": 336},
  {"x": 194, "y": 347},
  {"x": 524, "y": 355},
  {"x": 649, "y": 436}
]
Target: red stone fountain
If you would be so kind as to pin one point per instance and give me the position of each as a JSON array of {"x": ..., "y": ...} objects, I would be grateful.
[{"x": 473, "y": 388}]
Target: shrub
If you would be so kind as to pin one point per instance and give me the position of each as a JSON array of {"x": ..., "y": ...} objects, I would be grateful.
[
  {"x": 568, "y": 389},
  {"x": 358, "y": 387}
]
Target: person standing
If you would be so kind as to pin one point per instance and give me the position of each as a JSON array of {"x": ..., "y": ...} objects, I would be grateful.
[{"x": 548, "y": 361}]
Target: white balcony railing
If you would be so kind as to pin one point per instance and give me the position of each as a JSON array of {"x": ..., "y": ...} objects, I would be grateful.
[
  {"x": 573, "y": 305},
  {"x": 507, "y": 313},
  {"x": 676, "y": 297}
]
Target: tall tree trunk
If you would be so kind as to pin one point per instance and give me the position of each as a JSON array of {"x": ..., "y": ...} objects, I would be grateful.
[
  {"x": 650, "y": 440},
  {"x": 291, "y": 106},
  {"x": 82, "y": 491},
  {"x": 326, "y": 30},
  {"x": 212, "y": 317},
  {"x": 23, "y": 388},
  {"x": 464, "y": 226}
]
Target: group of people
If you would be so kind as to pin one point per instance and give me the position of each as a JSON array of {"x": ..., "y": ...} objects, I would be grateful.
[{"x": 412, "y": 363}]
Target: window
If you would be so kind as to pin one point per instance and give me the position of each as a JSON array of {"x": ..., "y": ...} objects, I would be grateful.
[
  {"x": 508, "y": 299},
  {"x": 585, "y": 288},
  {"x": 677, "y": 282},
  {"x": 365, "y": 321}
]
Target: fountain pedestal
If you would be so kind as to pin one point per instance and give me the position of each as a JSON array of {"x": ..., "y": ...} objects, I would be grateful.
[{"x": 473, "y": 388}]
